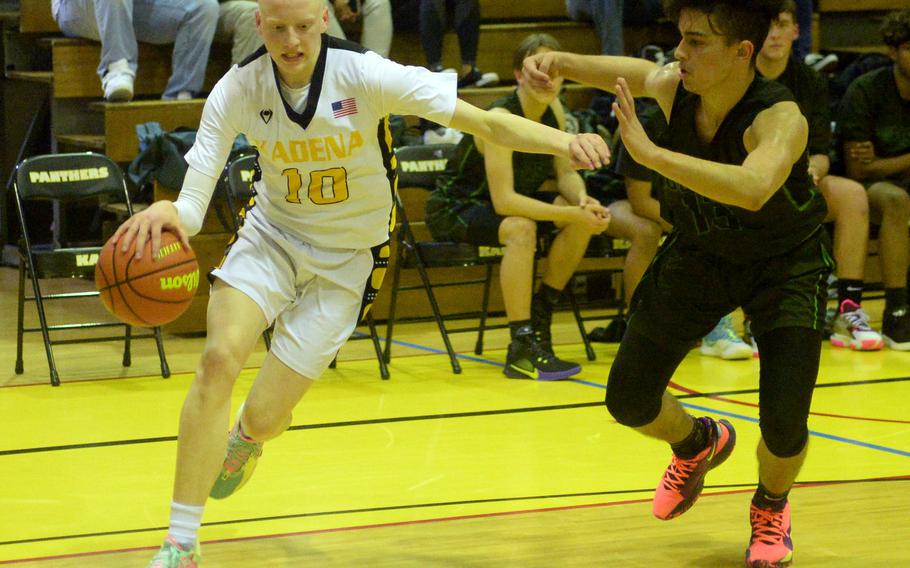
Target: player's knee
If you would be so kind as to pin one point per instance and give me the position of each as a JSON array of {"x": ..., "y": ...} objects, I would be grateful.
[
  {"x": 219, "y": 366},
  {"x": 261, "y": 424},
  {"x": 784, "y": 440},
  {"x": 519, "y": 232},
  {"x": 626, "y": 404}
]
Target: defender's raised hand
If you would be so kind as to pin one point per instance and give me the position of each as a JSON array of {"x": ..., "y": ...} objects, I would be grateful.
[{"x": 634, "y": 137}]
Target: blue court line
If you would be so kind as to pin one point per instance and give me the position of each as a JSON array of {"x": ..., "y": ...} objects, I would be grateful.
[
  {"x": 811, "y": 432},
  {"x": 685, "y": 404}
]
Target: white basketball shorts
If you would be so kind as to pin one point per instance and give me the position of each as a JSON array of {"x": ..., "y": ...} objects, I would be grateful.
[{"x": 314, "y": 295}]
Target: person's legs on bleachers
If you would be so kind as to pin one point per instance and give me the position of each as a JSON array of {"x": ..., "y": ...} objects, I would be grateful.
[
  {"x": 432, "y": 29},
  {"x": 111, "y": 23},
  {"x": 377, "y": 26},
  {"x": 190, "y": 25},
  {"x": 607, "y": 16},
  {"x": 237, "y": 26}
]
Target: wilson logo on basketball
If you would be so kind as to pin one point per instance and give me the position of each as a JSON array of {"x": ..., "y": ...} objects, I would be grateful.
[{"x": 190, "y": 281}]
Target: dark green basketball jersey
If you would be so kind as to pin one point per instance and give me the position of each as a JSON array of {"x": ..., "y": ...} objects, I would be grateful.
[
  {"x": 793, "y": 213},
  {"x": 465, "y": 177}
]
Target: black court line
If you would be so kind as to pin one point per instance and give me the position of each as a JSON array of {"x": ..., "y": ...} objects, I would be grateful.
[
  {"x": 395, "y": 419},
  {"x": 417, "y": 506}
]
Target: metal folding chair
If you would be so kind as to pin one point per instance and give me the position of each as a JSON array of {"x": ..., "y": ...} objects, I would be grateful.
[{"x": 65, "y": 179}]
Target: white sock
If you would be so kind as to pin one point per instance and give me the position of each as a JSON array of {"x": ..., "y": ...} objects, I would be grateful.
[{"x": 184, "y": 524}]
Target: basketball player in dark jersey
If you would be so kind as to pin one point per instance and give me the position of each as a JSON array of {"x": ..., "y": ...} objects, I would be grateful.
[{"x": 733, "y": 179}]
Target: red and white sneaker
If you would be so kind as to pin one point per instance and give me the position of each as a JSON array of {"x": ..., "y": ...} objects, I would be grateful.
[
  {"x": 683, "y": 480},
  {"x": 771, "y": 545},
  {"x": 851, "y": 329}
]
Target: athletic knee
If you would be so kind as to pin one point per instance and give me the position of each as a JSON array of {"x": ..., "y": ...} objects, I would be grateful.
[
  {"x": 518, "y": 232},
  {"x": 219, "y": 366},
  {"x": 625, "y": 406},
  {"x": 259, "y": 423},
  {"x": 783, "y": 438}
]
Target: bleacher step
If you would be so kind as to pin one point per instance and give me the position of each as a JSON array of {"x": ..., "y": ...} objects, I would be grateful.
[
  {"x": 75, "y": 63},
  {"x": 46, "y": 77},
  {"x": 75, "y": 142}
]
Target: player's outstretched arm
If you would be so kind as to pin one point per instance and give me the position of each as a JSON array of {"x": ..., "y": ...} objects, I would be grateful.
[
  {"x": 587, "y": 151},
  {"x": 599, "y": 71},
  {"x": 775, "y": 141}
]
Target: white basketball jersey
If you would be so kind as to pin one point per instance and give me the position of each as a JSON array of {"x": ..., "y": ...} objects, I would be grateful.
[{"x": 328, "y": 171}]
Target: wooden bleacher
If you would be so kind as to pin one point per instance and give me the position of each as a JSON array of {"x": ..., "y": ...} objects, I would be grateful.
[
  {"x": 853, "y": 25},
  {"x": 35, "y": 17}
]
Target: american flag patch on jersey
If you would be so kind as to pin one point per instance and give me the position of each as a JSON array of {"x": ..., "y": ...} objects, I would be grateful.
[{"x": 344, "y": 107}]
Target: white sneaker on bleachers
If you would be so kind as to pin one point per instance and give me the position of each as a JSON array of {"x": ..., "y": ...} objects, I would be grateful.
[{"x": 118, "y": 82}]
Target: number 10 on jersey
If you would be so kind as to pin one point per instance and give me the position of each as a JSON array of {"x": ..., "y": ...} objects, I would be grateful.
[{"x": 325, "y": 187}]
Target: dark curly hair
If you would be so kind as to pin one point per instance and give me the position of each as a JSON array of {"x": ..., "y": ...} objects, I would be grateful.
[
  {"x": 736, "y": 20},
  {"x": 896, "y": 28}
]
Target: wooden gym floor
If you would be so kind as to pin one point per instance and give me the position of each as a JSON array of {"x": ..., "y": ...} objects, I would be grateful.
[{"x": 434, "y": 469}]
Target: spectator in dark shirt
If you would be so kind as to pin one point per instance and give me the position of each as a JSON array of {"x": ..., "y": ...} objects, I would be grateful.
[{"x": 874, "y": 124}]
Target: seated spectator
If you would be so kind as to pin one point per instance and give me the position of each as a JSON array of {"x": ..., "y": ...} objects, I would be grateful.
[
  {"x": 490, "y": 196},
  {"x": 466, "y": 21},
  {"x": 237, "y": 26},
  {"x": 874, "y": 125},
  {"x": 119, "y": 24},
  {"x": 376, "y": 15},
  {"x": 848, "y": 205},
  {"x": 609, "y": 17}
]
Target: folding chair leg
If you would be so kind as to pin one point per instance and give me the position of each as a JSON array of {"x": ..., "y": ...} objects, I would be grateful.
[
  {"x": 127, "y": 355},
  {"x": 159, "y": 342},
  {"x": 589, "y": 350},
  {"x": 456, "y": 366},
  {"x": 478, "y": 346},
  {"x": 393, "y": 301},
  {"x": 383, "y": 368},
  {"x": 20, "y": 368},
  {"x": 42, "y": 318}
]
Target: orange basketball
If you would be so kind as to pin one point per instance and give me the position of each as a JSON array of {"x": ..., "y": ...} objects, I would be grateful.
[{"x": 147, "y": 292}]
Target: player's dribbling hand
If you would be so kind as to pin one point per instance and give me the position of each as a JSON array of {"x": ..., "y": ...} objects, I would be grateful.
[
  {"x": 539, "y": 69},
  {"x": 589, "y": 152},
  {"x": 148, "y": 224},
  {"x": 634, "y": 137}
]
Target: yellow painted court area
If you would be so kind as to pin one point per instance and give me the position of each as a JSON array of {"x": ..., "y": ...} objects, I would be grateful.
[{"x": 436, "y": 469}]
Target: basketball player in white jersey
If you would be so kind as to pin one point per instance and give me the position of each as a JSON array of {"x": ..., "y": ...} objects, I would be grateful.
[{"x": 317, "y": 110}]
